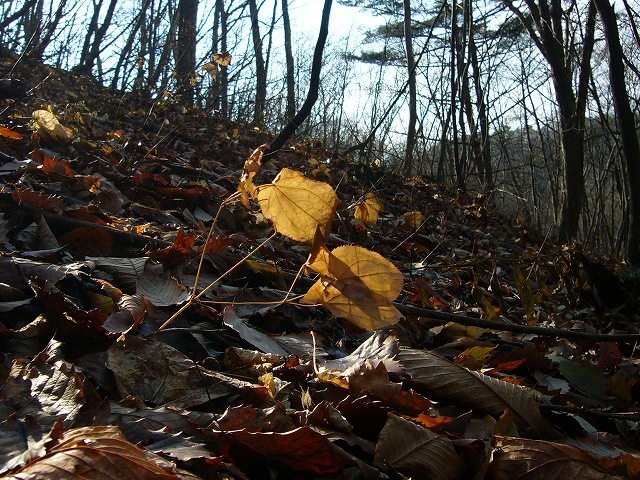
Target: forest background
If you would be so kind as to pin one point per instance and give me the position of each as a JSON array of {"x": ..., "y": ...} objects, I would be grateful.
[{"x": 532, "y": 103}]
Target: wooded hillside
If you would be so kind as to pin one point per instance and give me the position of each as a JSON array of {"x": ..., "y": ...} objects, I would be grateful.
[{"x": 177, "y": 302}]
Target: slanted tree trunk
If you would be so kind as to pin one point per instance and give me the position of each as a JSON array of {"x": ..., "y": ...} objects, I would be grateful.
[
  {"x": 626, "y": 123},
  {"x": 290, "y": 110},
  {"x": 314, "y": 86}
]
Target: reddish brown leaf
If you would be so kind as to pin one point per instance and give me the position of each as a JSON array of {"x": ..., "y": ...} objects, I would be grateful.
[
  {"x": 40, "y": 200},
  {"x": 302, "y": 450},
  {"x": 88, "y": 241},
  {"x": 176, "y": 253}
]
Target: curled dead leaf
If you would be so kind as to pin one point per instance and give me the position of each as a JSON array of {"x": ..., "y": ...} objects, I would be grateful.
[
  {"x": 251, "y": 168},
  {"x": 47, "y": 122},
  {"x": 368, "y": 210}
]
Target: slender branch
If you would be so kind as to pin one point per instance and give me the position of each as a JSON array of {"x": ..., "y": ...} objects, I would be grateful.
[
  {"x": 314, "y": 86},
  {"x": 444, "y": 317}
]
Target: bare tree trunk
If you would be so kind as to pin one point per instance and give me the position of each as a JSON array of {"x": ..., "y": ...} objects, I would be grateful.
[
  {"x": 413, "y": 109},
  {"x": 91, "y": 48},
  {"x": 261, "y": 70},
  {"x": 186, "y": 49},
  {"x": 314, "y": 86},
  {"x": 626, "y": 123},
  {"x": 483, "y": 118},
  {"x": 290, "y": 74},
  {"x": 545, "y": 26}
]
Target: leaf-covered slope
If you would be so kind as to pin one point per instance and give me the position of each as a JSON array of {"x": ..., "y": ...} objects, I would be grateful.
[{"x": 108, "y": 202}]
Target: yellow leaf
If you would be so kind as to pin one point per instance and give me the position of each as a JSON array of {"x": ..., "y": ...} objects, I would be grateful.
[
  {"x": 356, "y": 284},
  {"x": 47, "y": 122},
  {"x": 368, "y": 210},
  {"x": 212, "y": 69},
  {"x": 298, "y": 206},
  {"x": 222, "y": 59},
  {"x": 251, "y": 168},
  {"x": 413, "y": 220}
]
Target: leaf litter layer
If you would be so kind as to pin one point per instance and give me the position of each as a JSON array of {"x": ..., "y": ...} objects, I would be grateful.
[{"x": 346, "y": 346}]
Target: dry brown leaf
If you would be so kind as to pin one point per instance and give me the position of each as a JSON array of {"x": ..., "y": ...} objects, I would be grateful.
[
  {"x": 440, "y": 379},
  {"x": 47, "y": 122},
  {"x": 417, "y": 452},
  {"x": 369, "y": 209},
  {"x": 93, "y": 452},
  {"x": 222, "y": 59},
  {"x": 212, "y": 69},
  {"x": 298, "y": 206},
  {"x": 356, "y": 284},
  {"x": 251, "y": 168},
  {"x": 520, "y": 458}
]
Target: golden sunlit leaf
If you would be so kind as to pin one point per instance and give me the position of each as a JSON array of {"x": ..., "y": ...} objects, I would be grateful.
[
  {"x": 47, "y": 122},
  {"x": 368, "y": 210},
  {"x": 413, "y": 220},
  {"x": 356, "y": 284},
  {"x": 222, "y": 59},
  {"x": 251, "y": 168},
  {"x": 212, "y": 69},
  {"x": 298, "y": 206}
]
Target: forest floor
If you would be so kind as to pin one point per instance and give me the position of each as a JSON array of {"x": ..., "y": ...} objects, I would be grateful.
[{"x": 513, "y": 357}]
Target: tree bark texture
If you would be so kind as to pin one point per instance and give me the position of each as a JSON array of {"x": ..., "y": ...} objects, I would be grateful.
[
  {"x": 413, "y": 102},
  {"x": 626, "y": 123},
  {"x": 261, "y": 69},
  {"x": 186, "y": 49}
]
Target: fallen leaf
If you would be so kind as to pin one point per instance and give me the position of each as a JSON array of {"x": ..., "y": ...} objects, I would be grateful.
[
  {"x": 302, "y": 449},
  {"x": 252, "y": 166},
  {"x": 93, "y": 452},
  {"x": 47, "y": 122},
  {"x": 520, "y": 458},
  {"x": 417, "y": 452}
]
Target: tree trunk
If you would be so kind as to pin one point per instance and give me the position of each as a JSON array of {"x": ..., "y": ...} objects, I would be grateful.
[
  {"x": 483, "y": 118},
  {"x": 186, "y": 49},
  {"x": 290, "y": 74},
  {"x": 91, "y": 48},
  {"x": 314, "y": 86},
  {"x": 626, "y": 123},
  {"x": 261, "y": 70},
  {"x": 545, "y": 26},
  {"x": 413, "y": 109}
]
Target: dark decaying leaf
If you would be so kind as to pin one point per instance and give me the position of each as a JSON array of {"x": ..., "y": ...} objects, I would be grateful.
[
  {"x": 440, "y": 379},
  {"x": 159, "y": 374},
  {"x": 256, "y": 338},
  {"x": 417, "y": 452},
  {"x": 523, "y": 459},
  {"x": 20, "y": 442},
  {"x": 47, "y": 391}
]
